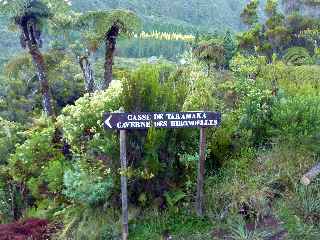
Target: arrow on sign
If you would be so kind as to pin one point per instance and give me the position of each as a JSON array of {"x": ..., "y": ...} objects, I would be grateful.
[{"x": 107, "y": 122}]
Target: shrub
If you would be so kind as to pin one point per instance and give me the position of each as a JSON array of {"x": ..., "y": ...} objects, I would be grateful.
[
  {"x": 50, "y": 177},
  {"x": 256, "y": 110},
  {"x": 211, "y": 52},
  {"x": 34, "y": 154},
  {"x": 10, "y": 134},
  {"x": 173, "y": 198},
  {"x": 147, "y": 89},
  {"x": 297, "y": 56},
  {"x": 297, "y": 120},
  {"x": 190, "y": 163},
  {"x": 224, "y": 142},
  {"x": 202, "y": 92},
  {"x": 84, "y": 119},
  {"x": 291, "y": 80},
  {"x": 35, "y": 169},
  {"x": 154, "y": 152},
  {"x": 82, "y": 188},
  {"x": 247, "y": 66}
]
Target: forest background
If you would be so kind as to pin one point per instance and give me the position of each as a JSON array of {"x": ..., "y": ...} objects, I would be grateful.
[{"x": 64, "y": 63}]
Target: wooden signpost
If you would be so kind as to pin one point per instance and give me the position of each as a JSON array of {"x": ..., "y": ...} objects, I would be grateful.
[{"x": 134, "y": 121}]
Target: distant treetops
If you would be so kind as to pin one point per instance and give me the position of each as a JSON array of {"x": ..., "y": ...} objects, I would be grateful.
[{"x": 281, "y": 30}]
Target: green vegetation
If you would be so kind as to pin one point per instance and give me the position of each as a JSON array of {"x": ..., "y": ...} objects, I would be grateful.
[
  {"x": 65, "y": 167},
  {"x": 196, "y": 16}
]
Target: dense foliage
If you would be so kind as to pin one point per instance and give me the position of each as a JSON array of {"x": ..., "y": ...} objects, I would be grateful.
[{"x": 66, "y": 168}]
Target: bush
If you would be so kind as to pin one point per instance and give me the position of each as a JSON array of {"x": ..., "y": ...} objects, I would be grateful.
[
  {"x": 35, "y": 169},
  {"x": 148, "y": 89},
  {"x": 84, "y": 119},
  {"x": 247, "y": 66},
  {"x": 291, "y": 80},
  {"x": 297, "y": 120},
  {"x": 255, "y": 110},
  {"x": 154, "y": 152},
  {"x": 10, "y": 134},
  {"x": 202, "y": 94},
  {"x": 268, "y": 118},
  {"x": 297, "y": 56},
  {"x": 224, "y": 142},
  {"x": 34, "y": 154},
  {"x": 239, "y": 231},
  {"x": 82, "y": 188}
]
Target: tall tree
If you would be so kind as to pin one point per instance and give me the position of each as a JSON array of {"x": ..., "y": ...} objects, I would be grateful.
[
  {"x": 84, "y": 50},
  {"x": 250, "y": 13},
  {"x": 279, "y": 32},
  {"x": 276, "y": 33},
  {"x": 88, "y": 73},
  {"x": 230, "y": 47},
  {"x": 105, "y": 27},
  {"x": 29, "y": 16},
  {"x": 271, "y": 7}
]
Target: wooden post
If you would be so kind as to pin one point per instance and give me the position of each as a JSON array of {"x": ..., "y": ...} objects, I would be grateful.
[
  {"x": 124, "y": 190},
  {"x": 201, "y": 172}
]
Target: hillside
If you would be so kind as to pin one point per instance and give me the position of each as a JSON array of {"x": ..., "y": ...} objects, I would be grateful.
[
  {"x": 162, "y": 15},
  {"x": 207, "y": 15}
]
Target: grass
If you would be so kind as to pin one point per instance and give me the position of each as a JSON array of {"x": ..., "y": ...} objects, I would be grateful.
[
  {"x": 294, "y": 224},
  {"x": 180, "y": 225},
  {"x": 290, "y": 206}
]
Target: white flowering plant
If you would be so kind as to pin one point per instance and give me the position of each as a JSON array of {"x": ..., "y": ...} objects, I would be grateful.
[
  {"x": 90, "y": 181},
  {"x": 85, "y": 116},
  {"x": 247, "y": 66}
]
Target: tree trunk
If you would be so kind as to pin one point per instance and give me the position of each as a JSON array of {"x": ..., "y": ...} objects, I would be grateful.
[
  {"x": 87, "y": 74},
  {"x": 310, "y": 175},
  {"x": 111, "y": 41},
  {"x": 41, "y": 72}
]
